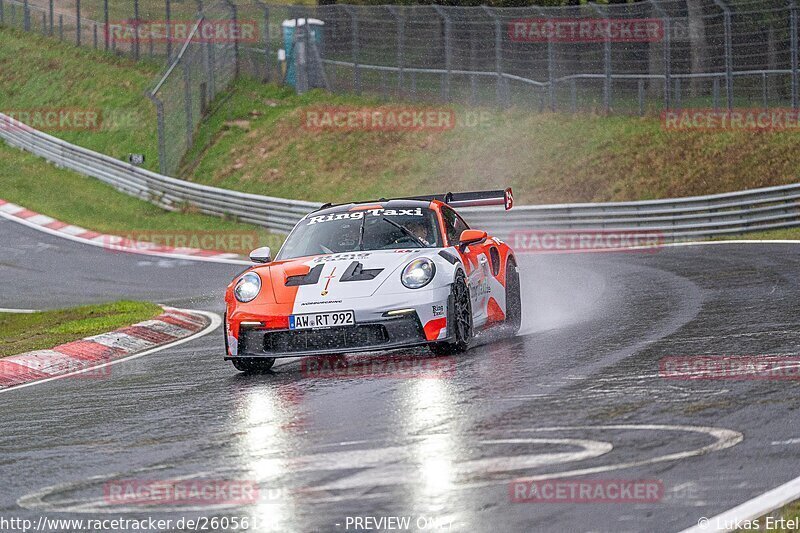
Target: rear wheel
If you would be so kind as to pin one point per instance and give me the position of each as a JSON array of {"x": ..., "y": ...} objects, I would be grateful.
[
  {"x": 459, "y": 319},
  {"x": 253, "y": 366},
  {"x": 513, "y": 298}
]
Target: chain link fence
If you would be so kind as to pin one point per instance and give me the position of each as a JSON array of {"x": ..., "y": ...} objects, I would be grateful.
[{"x": 640, "y": 57}]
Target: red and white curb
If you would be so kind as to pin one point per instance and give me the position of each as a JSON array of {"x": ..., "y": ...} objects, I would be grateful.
[
  {"x": 115, "y": 243},
  {"x": 174, "y": 326}
]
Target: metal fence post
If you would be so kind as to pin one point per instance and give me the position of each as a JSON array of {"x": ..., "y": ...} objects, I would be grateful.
[
  {"x": 267, "y": 55},
  {"x": 726, "y": 14},
  {"x": 307, "y": 50},
  {"x": 551, "y": 77},
  {"x": 667, "y": 23},
  {"x": 401, "y": 38},
  {"x": 498, "y": 56},
  {"x": 26, "y": 16},
  {"x": 606, "y": 63},
  {"x": 168, "y": 17},
  {"x": 136, "y": 30},
  {"x": 356, "y": 69},
  {"x": 187, "y": 102},
  {"x": 78, "y": 22},
  {"x": 162, "y": 143},
  {"x": 61, "y": 27},
  {"x": 235, "y": 17},
  {"x": 793, "y": 45},
  {"x": 447, "y": 51},
  {"x": 107, "y": 31},
  {"x": 2, "y": 12},
  {"x": 52, "y": 9}
]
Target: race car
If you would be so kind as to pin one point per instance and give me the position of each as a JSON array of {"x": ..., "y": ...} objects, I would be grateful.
[{"x": 375, "y": 275}]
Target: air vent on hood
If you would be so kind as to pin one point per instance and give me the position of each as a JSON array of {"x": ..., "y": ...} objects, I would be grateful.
[
  {"x": 306, "y": 279},
  {"x": 356, "y": 272}
]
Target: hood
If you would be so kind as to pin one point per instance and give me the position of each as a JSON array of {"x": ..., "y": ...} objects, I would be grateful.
[{"x": 337, "y": 276}]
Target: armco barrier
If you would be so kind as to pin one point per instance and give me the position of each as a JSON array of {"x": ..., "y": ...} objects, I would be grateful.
[{"x": 674, "y": 219}]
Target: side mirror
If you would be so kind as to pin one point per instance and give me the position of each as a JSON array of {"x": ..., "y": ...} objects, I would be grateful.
[
  {"x": 261, "y": 255},
  {"x": 471, "y": 236}
]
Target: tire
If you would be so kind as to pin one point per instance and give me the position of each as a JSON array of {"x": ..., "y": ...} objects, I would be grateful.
[
  {"x": 459, "y": 317},
  {"x": 513, "y": 298},
  {"x": 253, "y": 366}
]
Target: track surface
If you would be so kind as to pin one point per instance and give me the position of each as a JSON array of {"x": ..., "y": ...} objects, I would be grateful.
[{"x": 585, "y": 367}]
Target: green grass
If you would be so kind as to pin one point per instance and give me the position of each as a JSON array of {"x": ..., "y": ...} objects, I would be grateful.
[
  {"x": 44, "y": 330},
  {"x": 790, "y": 523},
  {"x": 41, "y": 74},
  {"x": 39, "y": 186},
  {"x": 254, "y": 142},
  {"x": 783, "y": 234}
]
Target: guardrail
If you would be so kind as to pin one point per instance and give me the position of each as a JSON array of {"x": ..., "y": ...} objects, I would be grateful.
[{"x": 673, "y": 219}]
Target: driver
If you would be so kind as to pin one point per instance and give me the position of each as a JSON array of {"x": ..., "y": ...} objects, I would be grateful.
[{"x": 420, "y": 229}]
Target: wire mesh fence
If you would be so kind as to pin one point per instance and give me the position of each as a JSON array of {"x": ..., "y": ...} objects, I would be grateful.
[{"x": 641, "y": 57}]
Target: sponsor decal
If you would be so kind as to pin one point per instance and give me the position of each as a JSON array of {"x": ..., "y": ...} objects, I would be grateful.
[
  {"x": 586, "y": 491},
  {"x": 342, "y": 257},
  {"x": 740, "y": 368},
  {"x": 438, "y": 310},
  {"x": 577, "y": 30},
  {"x": 358, "y": 215},
  {"x": 777, "y": 119}
]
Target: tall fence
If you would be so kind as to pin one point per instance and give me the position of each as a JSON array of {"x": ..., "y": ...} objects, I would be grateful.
[{"x": 640, "y": 57}]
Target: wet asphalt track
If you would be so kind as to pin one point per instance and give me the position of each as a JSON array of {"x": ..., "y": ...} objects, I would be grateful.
[{"x": 578, "y": 390}]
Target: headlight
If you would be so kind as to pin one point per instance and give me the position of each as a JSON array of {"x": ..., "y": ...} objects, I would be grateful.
[
  {"x": 418, "y": 273},
  {"x": 248, "y": 287}
]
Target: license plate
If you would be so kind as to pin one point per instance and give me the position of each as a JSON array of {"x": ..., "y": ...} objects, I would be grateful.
[{"x": 322, "y": 320}]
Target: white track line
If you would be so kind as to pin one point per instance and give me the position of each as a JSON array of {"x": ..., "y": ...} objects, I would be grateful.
[
  {"x": 20, "y": 311},
  {"x": 749, "y": 510},
  {"x": 103, "y": 245},
  {"x": 216, "y": 321}
]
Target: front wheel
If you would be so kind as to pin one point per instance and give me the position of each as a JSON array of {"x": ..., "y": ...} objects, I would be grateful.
[
  {"x": 459, "y": 320},
  {"x": 253, "y": 366}
]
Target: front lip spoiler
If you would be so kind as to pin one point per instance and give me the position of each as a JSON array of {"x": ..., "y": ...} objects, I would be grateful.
[{"x": 377, "y": 348}]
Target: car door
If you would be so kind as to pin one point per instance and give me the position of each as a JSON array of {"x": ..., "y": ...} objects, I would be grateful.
[{"x": 476, "y": 265}]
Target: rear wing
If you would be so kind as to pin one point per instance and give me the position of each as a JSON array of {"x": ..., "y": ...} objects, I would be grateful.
[{"x": 502, "y": 197}]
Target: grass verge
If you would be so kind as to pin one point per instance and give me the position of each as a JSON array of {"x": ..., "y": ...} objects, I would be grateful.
[
  {"x": 256, "y": 141},
  {"x": 35, "y": 184},
  {"x": 46, "y": 329},
  {"x": 40, "y": 74}
]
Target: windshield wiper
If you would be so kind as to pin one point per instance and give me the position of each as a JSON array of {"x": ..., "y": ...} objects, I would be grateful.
[
  {"x": 405, "y": 230},
  {"x": 361, "y": 234}
]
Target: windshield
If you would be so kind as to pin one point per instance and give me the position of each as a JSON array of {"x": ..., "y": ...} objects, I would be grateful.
[{"x": 371, "y": 229}]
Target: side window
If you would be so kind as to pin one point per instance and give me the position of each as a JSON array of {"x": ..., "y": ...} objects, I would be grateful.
[{"x": 454, "y": 225}]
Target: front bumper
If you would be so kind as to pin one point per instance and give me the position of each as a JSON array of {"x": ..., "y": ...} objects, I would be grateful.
[{"x": 387, "y": 333}]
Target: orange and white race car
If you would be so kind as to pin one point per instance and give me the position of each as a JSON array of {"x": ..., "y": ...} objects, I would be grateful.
[{"x": 374, "y": 276}]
